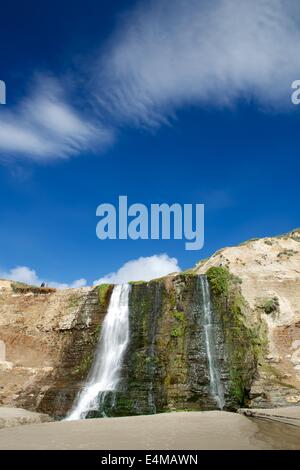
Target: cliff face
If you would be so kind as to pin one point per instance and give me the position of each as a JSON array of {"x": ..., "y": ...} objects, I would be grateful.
[
  {"x": 269, "y": 274},
  {"x": 166, "y": 366},
  {"x": 50, "y": 336},
  {"x": 50, "y": 339}
]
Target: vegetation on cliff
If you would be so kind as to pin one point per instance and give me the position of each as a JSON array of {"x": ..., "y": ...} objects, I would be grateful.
[
  {"x": 22, "y": 288},
  {"x": 245, "y": 342}
]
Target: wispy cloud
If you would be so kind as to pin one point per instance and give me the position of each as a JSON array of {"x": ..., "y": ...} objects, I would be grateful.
[
  {"x": 29, "y": 276},
  {"x": 163, "y": 56},
  {"x": 45, "y": 126},
  {"x": 210, "y": 53},
  {"x": 142, "y": 269}
]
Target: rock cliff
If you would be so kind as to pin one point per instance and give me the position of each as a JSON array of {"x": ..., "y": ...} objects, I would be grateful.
[
  {"x": 48, "y": 337},
  {"x": 269, "y": 274},
  {"x": 166, "y": 366}
]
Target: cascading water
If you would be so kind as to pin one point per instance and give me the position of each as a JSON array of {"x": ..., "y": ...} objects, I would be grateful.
[
  {"x": 216, "y": 387},
  {"x": 105, "y": 373}
]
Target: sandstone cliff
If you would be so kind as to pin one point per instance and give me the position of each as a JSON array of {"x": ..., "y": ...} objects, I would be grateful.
[
  {"x": 269, "y": 271},
  {"x": 48, "y": 337}
]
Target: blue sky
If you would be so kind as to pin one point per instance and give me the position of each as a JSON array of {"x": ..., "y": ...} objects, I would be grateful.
[{"x": 108, "y": 99}]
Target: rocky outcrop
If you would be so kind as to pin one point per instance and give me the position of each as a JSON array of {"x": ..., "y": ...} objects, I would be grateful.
[
  {"x": 166, "y": 366},
  {"x": 269, "y": 274},
  {"x": 48, "y": 337}
]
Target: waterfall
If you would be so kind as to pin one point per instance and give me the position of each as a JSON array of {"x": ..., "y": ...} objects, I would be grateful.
[
  {"x": 216, "y": 387},
  {"x": 105, "y": 372}
]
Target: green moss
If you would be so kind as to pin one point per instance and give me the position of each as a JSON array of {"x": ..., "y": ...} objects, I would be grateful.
[
  {"x": 177, "y": 332},
  {"x": 136, "y": 283},
  {"x": 124, "y": 407},
  {"x": 269, "y": 305},
  {"x": 244, "y": 346},
  {"x": 245, "y": 343},
  {"x": 180, "y": 316},
  {"x": 188, "y": 276},
  {"x": 139, "y": 360},
  {"x": 22, "y": 288},
  {"x": 218, "y": 278},
  {"x": 103, "y": 290},
  {"x": 192, "y": 270},
  {"x": 16, "y": 286},
  {"x": 96, "y": 333}
]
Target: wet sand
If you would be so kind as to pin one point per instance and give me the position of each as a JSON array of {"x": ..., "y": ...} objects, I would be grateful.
[{"x": 170, "y": 431}]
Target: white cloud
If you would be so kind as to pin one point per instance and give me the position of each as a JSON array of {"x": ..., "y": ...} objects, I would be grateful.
[
  {"x": 21, "y": 274},
  {"x": 44, "y": 126},
  {"x": 208, "y": 53},
  {"x": 29, "y": 276},
  {"x": 163, "y": 56},
  {"x": 73, "y": 285},
  {"x": 142, "y": 269}
]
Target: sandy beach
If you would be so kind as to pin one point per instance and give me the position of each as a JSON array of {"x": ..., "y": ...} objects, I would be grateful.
[{"x": 170, "y": 431}]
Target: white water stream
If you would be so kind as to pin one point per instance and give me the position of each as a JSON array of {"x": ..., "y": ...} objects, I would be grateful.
[
  {"x": 105, "y": 372},
  {"x": 216, "y": 387}
]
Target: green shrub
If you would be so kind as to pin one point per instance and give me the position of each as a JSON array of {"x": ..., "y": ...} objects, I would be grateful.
[
  {"x": 270, "y": 305},
  {"x": 218, "y": 278}
]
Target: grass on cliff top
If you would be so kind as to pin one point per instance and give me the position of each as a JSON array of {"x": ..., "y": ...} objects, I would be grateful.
[
  {"x": 136, "y": 283},
  {"x": 140, "y": 283},
  {"x": 22, "y": 288},
  {"x": 102, "y": 292}
]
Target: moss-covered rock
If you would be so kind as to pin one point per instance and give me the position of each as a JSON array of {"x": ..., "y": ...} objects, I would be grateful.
[
  {"x": 269, "y": 305},
  {"x": 104, "y": 292},
  {"x": 244, "y": 342},
  {"x": 166, "y": 365}
]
